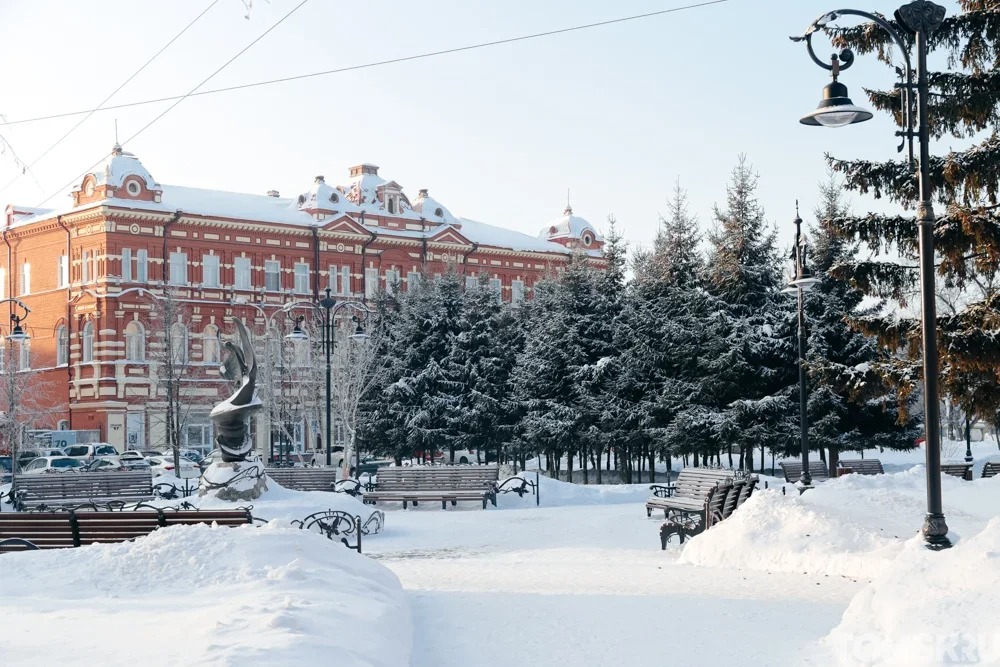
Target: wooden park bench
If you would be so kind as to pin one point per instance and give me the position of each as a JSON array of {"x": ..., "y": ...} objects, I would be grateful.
[
  {"x": 75, "y": 528},
  {"x": 793, "y": 471},
  {"x": 412, "y": 484},
  {"x": 701, "y": 498},
  {"x": 69, "y": 489},
  {"x": 305, "y": 479},
  {"x": 860, "y": 466},
  {"x": 991, "y": 469},
  {"x": 960, "y": 470}
]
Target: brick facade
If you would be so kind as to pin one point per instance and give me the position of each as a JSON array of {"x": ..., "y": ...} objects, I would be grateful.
[{"x": 99, "y": 271}]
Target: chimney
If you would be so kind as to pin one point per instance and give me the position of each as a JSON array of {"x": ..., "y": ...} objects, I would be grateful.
[
  {"x": 366, "y": 168},
  {"x": 422, "y": 193},
  {"x": 320, "y": 179},
  {"x": 272, "y": 193}
]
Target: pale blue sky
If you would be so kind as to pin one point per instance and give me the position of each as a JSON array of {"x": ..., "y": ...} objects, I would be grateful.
[{"x": 614, "y": 113}]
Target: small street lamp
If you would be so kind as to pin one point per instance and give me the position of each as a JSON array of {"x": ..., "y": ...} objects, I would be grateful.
[
  {"x": 330, "y": 307},
  {"x": 919, "y": 19},
  {"x": 17, "y": 335},
  {"x": 801, "y": 283}
]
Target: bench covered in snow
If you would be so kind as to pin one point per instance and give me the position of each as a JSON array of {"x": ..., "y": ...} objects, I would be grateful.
[
  {"x": 412, "y": 484},
  {"x": 793, "y": 471},
  {"x": 305, "y": 479},
  {"x": 991, "y": 469},
  {"x": 702, "y": 497},
  {"x": 960, "y": 470},
  {"x": 56, "y": 530},
  {"x": 862, "y": 466},
  {"x": 68, "y": 489}
]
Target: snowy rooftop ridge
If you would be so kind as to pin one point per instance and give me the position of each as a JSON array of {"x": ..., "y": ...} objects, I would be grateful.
[{"x": 365, "y": 192}]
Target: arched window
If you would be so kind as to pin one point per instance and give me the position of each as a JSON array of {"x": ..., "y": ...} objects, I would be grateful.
[
  {"x": 178, "y": 344},
  {"x": 62, "y": 345},
  {"x": 88, "y": 341},
  {"x": 210, "y": 344},
  {"x": 135, "y": 342}
]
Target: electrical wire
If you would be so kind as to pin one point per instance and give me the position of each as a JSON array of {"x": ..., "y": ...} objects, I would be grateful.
[
  {"x": 178, "y": 100},
  {"x": 99, "y": 107},
  {"x": 378, "y": 63}
]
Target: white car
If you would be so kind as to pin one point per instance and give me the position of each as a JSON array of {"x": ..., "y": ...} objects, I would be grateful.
[
  {"x": 164, "y": 465},
  {"x": 45, "y": 464},
  {"x": 91, "y": 451}
]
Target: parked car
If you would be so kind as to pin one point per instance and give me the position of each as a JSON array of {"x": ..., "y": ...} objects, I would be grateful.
[
  {"x": 164, "y": 465},
  {"x": 104, "y": 464},
  {"x": 44, "y": 464},
  {"x": 138, "y": 455},
  {"x": 6, "y": 468},
  {"x": 91, "y": 451},
  {"x": 461, "y": 456},
  {"x": 26, "y": 456},
  {"x": 370, "y": 466}
]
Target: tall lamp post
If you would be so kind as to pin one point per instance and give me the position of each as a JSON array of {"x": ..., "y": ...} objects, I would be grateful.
[
  {"x": 919, "y": 19},
  {"x": 17, "y": 335},
  {"x": 329, "y": 307},
  {"x": 801, "y": 283}
]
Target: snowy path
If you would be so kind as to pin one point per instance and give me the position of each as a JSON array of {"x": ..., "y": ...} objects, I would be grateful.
[{"x": 588, "y": 585}]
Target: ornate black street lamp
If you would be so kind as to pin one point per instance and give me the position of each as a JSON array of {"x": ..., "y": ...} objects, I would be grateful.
[
  {"x": 919, "y": 19},
  {"x": 330, "y": 308},
  {"x": 17, "y": 335},
  {"x": 801, "y": 283}
]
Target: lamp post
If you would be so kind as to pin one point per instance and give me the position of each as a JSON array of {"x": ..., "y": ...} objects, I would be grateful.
[
  {"x": 329, "y": 307},
  {"x": 920, "y": 19},
  {"x": 801, "y": 283},
  {"x": 17, "y": 335}
]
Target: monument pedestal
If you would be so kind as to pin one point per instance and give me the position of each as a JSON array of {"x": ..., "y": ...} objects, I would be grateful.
[{"x": 236, "y": 481}]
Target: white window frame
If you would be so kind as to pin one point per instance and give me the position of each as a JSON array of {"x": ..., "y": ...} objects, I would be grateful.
[
  {"x": 62, "y": 272},
  {"x": 26, "y": 278},
  {"x": 141, "y": 265},
  {"x": 87, "y": 342},
  {"x": 496, "y": 286},
  {"x": 210, "y": 271},
  {"x": 371, "y": 282},
  {"x": 85, "y": 266},
  {"x": 391, "y": 280},
  {"x": 412, "y": 279},
  {"x": 471, "y": 282},
  {"x": 178, "y": 268},
  {"x": 126, "y": 265},
  {"x": 135, "y": 342},
  {"x": 301, "y": 273},
  {"x": 345, "y": 280},
  {"x": 333, "y": 279},
  {"x": 272, "y": 275},
  {"x": 24, "y": 355},
  {"x": 211, "y": 352},
  {"x": 241, "y": 273},
  {"x": 516, "y": 291},
  {"x": 180, "y": 348},
  {"x": 62, "y": 345}
]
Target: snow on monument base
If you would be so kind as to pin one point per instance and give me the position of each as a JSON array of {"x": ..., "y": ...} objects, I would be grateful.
[{"x": 237, "y": 481}]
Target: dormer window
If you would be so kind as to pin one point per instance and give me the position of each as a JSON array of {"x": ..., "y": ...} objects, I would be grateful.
[
  {"x": 302, "y": 200},
  {"x": 587, "y": 239},
  {"x": 88, "y": 188},
  {"x": 133, "y": 188},
  {"x": 439, "y": 212},
  {"x": 391, "y": 203},
  {"x": 335, "y": 198}
]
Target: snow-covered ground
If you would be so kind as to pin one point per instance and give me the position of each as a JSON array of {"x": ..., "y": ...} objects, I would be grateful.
[{"x": 835, "y": 577}]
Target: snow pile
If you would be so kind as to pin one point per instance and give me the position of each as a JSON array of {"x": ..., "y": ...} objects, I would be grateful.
[
  {"x": 931, "y": 608},
  {"x": 204, "y": 594},
  {"x": 853, "y": 526}
]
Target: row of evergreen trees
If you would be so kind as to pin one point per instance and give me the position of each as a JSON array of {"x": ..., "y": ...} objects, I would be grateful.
[{"x": 692, "y": 357}]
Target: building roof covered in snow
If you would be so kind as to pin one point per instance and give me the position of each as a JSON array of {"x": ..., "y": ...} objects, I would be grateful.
[{"x": 374, "y": 204}]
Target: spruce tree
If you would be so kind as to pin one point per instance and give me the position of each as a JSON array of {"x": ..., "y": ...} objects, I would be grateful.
[
  {"x": 750, "y": 362},
  {"x": 964, "y": 106},
  {"x": 836, "y": 420}
]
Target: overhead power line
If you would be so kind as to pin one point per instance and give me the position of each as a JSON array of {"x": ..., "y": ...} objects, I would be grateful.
[
  {"x": 378, "y": 63},
  {"x": 179, "y": 100},
  {"x": 100, "y": 106}
]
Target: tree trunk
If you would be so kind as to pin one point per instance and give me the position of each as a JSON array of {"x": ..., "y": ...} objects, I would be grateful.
[
  {"x": 834, "y": 459},
  {"x": 652, "y": 466},
  {"x": 569, "y": 466},
  {"x": 597, "y": 467},
  {"x": 730, "y": 452},
  {"x": 762, "y": 454},
  {"x": 583, "y": 467}
]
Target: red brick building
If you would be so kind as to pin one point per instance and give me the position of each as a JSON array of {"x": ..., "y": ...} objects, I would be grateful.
[{"x": 95, "y": 273}]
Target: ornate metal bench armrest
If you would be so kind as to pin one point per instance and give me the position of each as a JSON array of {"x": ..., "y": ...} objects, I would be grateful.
[
  {"x": 351, "y": 487},
  {"x": 662, "y": 490},
  {"x": 518, "y": 485},
  {"x": 18, "y": 541}
]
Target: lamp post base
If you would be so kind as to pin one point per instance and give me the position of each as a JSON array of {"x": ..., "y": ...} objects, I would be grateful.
[{"x": 935, "y": 532}]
